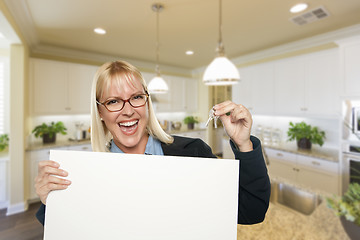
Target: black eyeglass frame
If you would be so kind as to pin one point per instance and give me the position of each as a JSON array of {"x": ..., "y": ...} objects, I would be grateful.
[{"x": 125, "y": 101}]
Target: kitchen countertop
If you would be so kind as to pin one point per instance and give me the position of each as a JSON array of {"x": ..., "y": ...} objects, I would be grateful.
[
  {"x": 39, "y": 145},
  {"x": 329, "y": 154}
]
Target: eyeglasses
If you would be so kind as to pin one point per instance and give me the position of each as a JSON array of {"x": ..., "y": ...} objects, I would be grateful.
[{"x": 117, "y": 104}]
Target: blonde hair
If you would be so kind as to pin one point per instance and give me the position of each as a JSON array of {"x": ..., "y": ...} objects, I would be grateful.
[{"x": 115, "y": 72}]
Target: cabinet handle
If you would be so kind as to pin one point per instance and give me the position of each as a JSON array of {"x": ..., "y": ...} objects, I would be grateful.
[
  {"x": 315, "y": 163},
  {"x": 67, "y": 108},
  {"x": 279, "y": 154},
  {"x": 85, "y": 148}
]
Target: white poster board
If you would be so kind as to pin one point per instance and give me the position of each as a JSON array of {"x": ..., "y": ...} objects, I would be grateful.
[{"x": 143, "y": 197}]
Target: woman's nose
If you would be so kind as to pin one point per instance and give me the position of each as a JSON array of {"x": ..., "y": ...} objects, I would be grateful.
[{"x": 128, "y": 109}]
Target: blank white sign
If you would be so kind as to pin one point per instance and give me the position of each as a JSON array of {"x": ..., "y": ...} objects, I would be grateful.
[{"x": 143, "y": 197}]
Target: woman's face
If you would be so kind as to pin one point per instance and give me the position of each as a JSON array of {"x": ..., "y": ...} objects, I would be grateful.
[{"x": 128, "y": 126}]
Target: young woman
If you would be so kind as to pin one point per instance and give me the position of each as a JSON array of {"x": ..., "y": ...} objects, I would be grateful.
[{"x": 123, "y": 121}]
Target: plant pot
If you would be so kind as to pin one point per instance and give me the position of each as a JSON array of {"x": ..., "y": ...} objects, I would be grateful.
[
  {"x": 351, "y": 229},
  {"x": 47, "y": 139},
  {"x": 190, "y": 125},
  {"x": 304, "y": 143}
]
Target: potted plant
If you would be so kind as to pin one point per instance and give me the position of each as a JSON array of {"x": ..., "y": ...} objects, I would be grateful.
[
  {"x": 4, "y": 142},
  {"x": 347, "y": 208},
  {"x": 305, "y": 135},
  {"x": 48, "y": 131},
  {"x": 190, "y": 121}
]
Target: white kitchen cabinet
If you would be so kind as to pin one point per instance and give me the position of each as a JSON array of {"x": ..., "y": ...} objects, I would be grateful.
[
  {"x": 60, "y": 87},
  {"x": 256, "y": 88},
  {"x": 308, "y": 85},
  {"x": 193, "y": 134},
  {"x": 3, "y": 182},
  {"x": 181, "y": 97},
  {"x": 350, "y": 58},
  {"x": 35, "y": 156},
  {"x": 289, "y": 86},
  {"x": 307, "y": 171}
]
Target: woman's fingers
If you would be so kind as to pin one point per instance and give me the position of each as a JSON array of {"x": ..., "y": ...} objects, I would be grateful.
[{"x": 49, "y": 179}]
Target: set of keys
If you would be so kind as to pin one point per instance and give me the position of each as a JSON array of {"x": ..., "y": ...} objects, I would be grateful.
[{"x": 212, "y": 117}]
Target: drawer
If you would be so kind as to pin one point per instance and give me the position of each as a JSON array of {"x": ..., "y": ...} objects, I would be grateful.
[
  {"x": 318, "y": 164},
  {"x": 280, "y": 155}
]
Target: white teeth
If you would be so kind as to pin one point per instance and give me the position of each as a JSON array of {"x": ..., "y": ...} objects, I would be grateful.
[{"x": 128, "y": 124}]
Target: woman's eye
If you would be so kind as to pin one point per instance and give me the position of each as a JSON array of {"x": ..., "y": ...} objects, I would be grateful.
[
  {"x": 138, "y": 97},
  {"x": 114, "y": 101}
]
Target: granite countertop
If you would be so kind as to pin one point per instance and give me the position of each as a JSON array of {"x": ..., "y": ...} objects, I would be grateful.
[
  {"x": 283, "y": 224},
  {"x": 64, "y": 143},
  {"x": 329, "y": 154}
]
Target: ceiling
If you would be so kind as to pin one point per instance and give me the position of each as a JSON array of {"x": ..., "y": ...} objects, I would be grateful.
[{"x": 248, "y": 26}]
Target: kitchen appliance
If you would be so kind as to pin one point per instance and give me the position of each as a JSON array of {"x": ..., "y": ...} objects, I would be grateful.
[{"x": 351, "y": 164}]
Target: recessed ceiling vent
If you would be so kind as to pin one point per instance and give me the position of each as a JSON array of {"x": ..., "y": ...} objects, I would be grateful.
[{"x": 310, "y": 16}]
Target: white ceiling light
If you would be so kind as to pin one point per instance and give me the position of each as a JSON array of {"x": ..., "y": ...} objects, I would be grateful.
[
  {"x": 100, "y": 31},
  {"x": 157, "y": 85},
  {"x": 189, "y": 52},
  {"x": 221, "y": 70},
  {"x": 298, "y": 7}
]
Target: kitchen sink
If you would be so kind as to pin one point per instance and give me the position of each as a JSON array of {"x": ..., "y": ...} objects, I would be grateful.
[{"x": 294, "y": 198}]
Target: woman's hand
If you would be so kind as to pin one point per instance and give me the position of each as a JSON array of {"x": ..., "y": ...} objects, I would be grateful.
[
  {"x": 47, "y": 179},
  {"x": 237, "y": 122}
]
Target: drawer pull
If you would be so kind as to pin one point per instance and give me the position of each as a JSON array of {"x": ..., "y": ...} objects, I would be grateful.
[
  {"x": 315, "y": 163},
  {"x": 279, "y": 154}
]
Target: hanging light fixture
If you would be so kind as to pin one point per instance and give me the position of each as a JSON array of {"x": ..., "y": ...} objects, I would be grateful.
[
  {"x": 157, "y": 85},
  {"x": 221, "y": 70}
]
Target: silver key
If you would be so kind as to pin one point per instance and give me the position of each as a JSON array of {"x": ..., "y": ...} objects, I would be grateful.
[{"x": 212, "y": 117}]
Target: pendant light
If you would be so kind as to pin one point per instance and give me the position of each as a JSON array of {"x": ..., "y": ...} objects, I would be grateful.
[
  {"x": 221, "y": 70},
  {"x": 157, "y": 85}
]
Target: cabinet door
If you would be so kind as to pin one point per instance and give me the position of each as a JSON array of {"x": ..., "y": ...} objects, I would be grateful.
[
  {"x": 191, "y": 95},
  {"x": 321, "y": 83},
  {"x": 282, "y": 169},
  {"x": 262, "y": 90},
  {"x": 289, "y": 86},
  {"x": 3, "y": 184},
  {"x": 82, "y": 147},
  {"x": 49, "y": 91},
  {"x": 177, "y": 93},
  {"x": 79, "y": 85},
  {"x": 318, "y": 180},
  {"x": 351, "y": 59},
  {"x": 241, "y": 92}
]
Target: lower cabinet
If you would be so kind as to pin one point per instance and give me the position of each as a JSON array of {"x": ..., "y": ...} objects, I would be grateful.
[
  {"x": 35, "y": 156},
  {"x": 307, "y": 171}
]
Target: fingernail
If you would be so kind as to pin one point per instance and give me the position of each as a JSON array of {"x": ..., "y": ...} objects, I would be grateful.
[{"x": 67, "y": 181}]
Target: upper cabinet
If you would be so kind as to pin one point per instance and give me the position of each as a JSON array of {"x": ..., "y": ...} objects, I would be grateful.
[
  {"x": 256, "y": 88},
  {"x": 60, "y": 87},
  {"x": 181, "y": 97},
  {"x": 350, "y": 70},
  {"x": 306, "y": 85}
]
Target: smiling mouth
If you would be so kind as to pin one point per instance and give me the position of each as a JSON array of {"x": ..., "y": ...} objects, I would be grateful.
[
  {"x": 128, "y": 124},
  {"x": 129, "y": 128}
]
